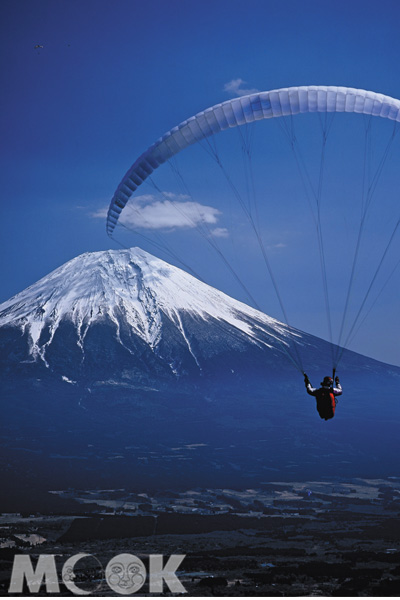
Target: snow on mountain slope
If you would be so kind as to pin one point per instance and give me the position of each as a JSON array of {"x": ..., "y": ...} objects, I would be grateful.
[{"x": 130, "y": 287}]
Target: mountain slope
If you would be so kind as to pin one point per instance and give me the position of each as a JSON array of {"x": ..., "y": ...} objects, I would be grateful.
[
  {"x": 149, "y": 306},
  {"x": 116, "y": 310}
]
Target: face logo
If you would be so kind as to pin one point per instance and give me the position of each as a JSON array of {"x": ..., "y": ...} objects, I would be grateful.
[{"x": 125, "y": 574}]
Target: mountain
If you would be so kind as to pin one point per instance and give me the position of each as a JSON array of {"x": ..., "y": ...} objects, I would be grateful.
[
  {"x": 131, "y": 307},
  {"x": 118, "y": 360},
  {"x": 128, "y": 313}
]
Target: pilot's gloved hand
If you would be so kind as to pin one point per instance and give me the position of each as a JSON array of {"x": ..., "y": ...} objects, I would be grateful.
[
  {"x": 337, "y": 380},
  {"x": 306, "y": 380}
]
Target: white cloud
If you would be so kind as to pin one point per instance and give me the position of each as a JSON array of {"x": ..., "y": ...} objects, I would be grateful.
[
  {"x": 168, "y": 214},
  {"x": 220, "y": 232},
  {"x": 177, "y": 210},
  {"x": 235, "y": 87},
  {"x": 101, "y": 213}
]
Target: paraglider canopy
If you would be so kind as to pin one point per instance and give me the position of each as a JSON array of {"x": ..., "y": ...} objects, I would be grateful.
[
  {"x": 247, "y": 109},
  {"x": 240, "y": 114}
]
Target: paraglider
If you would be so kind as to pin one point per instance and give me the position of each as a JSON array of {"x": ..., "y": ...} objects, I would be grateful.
[{"x": 325, "y": 395}]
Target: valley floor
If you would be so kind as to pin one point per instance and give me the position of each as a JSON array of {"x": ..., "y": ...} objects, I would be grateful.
[{"x": 283, "y": 539}]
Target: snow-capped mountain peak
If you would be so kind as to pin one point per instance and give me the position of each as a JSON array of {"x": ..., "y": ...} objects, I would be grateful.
[{"x": 128, "y": 287}]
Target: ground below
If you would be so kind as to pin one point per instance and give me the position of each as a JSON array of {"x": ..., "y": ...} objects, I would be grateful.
[{"x": 282, "y": 539}]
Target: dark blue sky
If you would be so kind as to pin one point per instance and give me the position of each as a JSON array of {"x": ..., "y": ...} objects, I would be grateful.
[{"x": 114, "y": 76}]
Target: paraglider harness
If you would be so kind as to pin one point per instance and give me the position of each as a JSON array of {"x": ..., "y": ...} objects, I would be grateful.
[
  {"x": 326, "y": 400},
  {"x": 326, "y": 403}
]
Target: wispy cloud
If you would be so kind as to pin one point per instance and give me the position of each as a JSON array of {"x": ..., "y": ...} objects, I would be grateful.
[
  {"x": 221, "y": 232},
  {"x": 100, "y": 213},
  {"x": 176, "y": 211},
  {"x": 277, "y": 246},
  {"x": 235, "y": 87}
]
